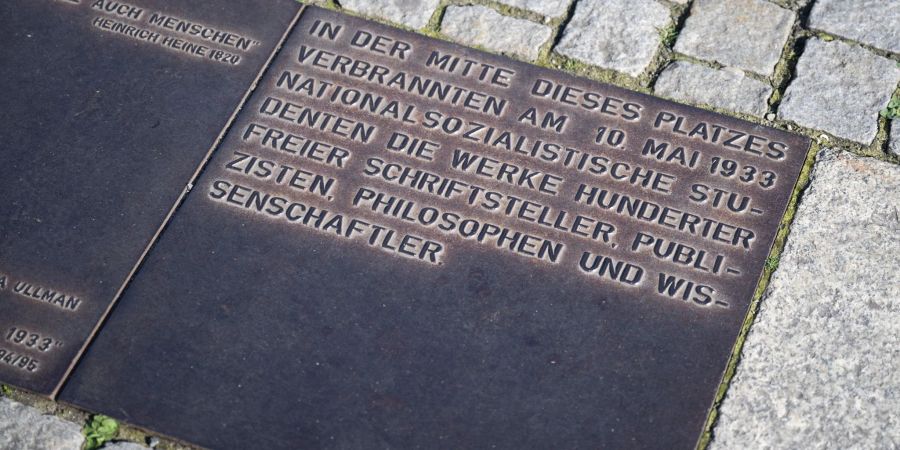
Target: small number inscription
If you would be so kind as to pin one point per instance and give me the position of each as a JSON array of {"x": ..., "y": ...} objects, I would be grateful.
[
  {"x": 610, "y": 137},
  {"x": 31, "y": 340},
  {"x": 728, "y": 168},
  {"x": 18, "y": 360}
]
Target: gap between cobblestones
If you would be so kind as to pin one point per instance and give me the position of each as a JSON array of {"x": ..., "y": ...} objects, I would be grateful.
[
  {"x": 787, "y": 64},
  {"x": 793, "y": 48}
]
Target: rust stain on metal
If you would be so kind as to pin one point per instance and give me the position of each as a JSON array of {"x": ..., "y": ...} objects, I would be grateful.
[{"x": 405, "y": 242}]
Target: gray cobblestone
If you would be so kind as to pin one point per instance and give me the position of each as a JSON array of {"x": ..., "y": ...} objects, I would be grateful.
[
  {"x": 478, "y": 25},
  {"x": 840, "y": 89},
  {"x": 726, "y": 89},
  {"x": 549, "y": 8},
  {"x": 821, "y": 365},
  {"x": 24, "y": 427},
  {"x": 874, "y": 22},
  {"x": 412, "y": 13},
  {"x": 123, "y": 445},
  {"x": 621, "y": 35},
  {"x": 747, "y": 34}
]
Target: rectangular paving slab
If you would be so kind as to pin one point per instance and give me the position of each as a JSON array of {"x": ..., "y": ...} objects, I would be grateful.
[
  {"x": 107, "y": 111},
  {"x": 402, "y": 242},
  {"x": 821, "y": 365}
]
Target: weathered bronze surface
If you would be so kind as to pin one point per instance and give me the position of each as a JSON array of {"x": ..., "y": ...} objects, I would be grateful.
[
  {"x": 108, "y": 109},
  {"x": 406, "y": 243}
]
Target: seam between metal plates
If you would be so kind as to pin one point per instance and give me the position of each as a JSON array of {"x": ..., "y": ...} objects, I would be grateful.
[{"x": 178, "y": 202}]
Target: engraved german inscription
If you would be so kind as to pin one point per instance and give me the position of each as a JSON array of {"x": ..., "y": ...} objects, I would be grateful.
[
  {"x": 171, "y": 32},
  {"x": 402, "y": 242},
  {"x": 422, "y": 150},
  {"x": 108, "y": 109}
]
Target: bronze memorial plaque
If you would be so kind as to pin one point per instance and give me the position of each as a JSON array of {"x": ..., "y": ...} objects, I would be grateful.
[
  {"x": 108, "y": 109},
  {"x": 402, "y": 242}
]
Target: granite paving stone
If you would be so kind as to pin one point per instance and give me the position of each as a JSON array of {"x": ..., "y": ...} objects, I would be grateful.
[
  {"x": 124, "y": 445},
  {"x": 873, "y": 22},
  {"x": 482, "y": 26},
  {"x": 840, "y": 88},
  {"x": 747, "y": 34},
  {"x": 412, "y": 13},
  {"x": 727, "y": 89},
  {"x": 24, "y": 427},
  {"x": 549, "y": 8},
  {"x": 622, "y": 35},
  {"x": 821, "y": 365}
]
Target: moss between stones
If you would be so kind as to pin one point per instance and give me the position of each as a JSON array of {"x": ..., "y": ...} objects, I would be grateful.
[
  {"x": 44, "y": 405},
  {"x": 664, "y": 54},
  {"x": 667, "y": 35},
  {"x": 512, "y": 11},
  {"x": 770, "y": 267},
  {"x": 434, "y": 24}
]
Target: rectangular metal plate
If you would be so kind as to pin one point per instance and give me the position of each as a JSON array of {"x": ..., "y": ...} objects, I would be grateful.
[
  {"x": 107, "y": 110},
  {"x": 403, "y": 242}
]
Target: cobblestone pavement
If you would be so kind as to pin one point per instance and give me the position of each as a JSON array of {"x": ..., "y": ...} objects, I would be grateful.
[{"x": 820, "y": 367}]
